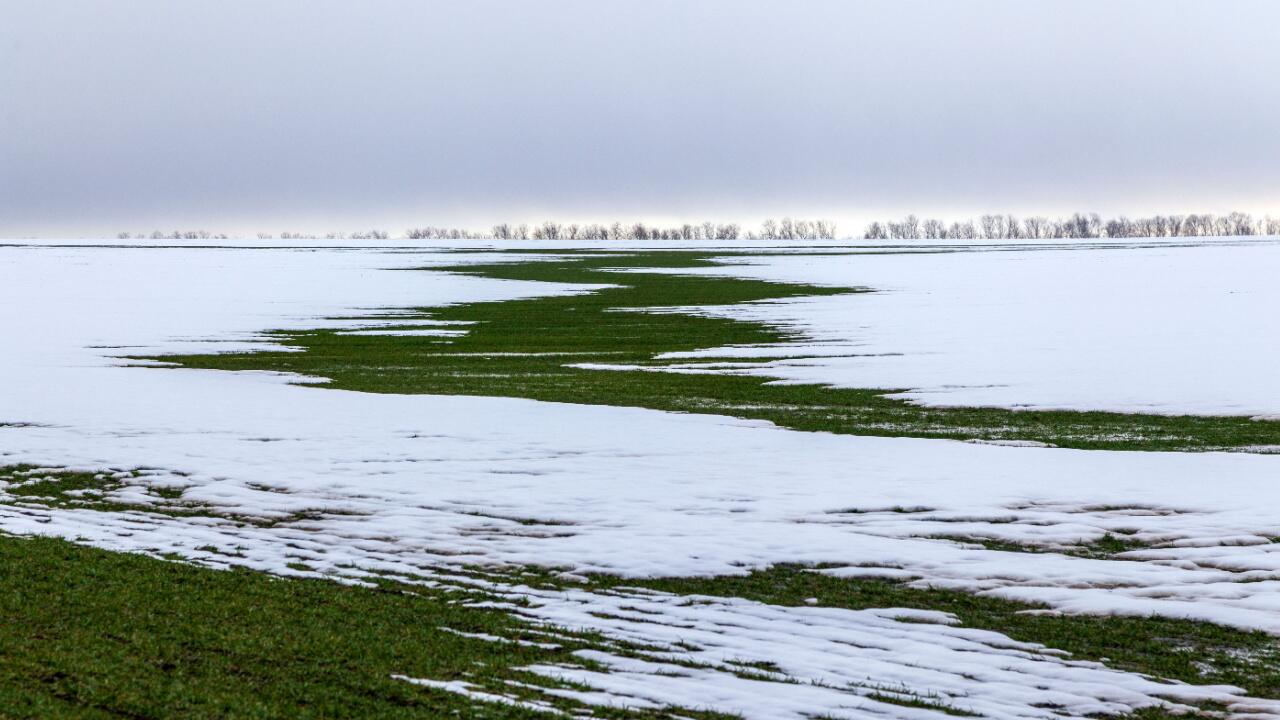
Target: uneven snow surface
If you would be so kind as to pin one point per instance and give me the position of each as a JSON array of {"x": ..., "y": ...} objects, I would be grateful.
[{"x": 416, "y": 484}]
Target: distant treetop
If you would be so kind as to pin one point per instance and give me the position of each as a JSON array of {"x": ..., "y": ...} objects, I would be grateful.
[
  {"x": 986, "y": 227},
  {"x": 1008, "y": 227}
]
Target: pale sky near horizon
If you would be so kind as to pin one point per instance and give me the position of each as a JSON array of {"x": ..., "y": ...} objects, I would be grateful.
[{"x": 316, "y": 115}]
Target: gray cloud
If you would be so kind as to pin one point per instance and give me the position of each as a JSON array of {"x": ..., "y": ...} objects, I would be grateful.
[{"x": 120, "y": 114}]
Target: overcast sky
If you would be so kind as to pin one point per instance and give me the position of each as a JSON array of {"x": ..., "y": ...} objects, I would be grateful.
[{"x": 321, "y": 115}]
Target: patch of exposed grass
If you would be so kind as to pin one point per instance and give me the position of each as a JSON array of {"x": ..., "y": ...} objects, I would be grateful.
[
  {"x": 1109, "y": 545},
  {"x": 1105, "y": 547},
  {"x": 526, "y": 349},
  {"x": 93, "y": 634},
  {"x": 29, "y": 486},
  {"x": 906, "y": 698}
]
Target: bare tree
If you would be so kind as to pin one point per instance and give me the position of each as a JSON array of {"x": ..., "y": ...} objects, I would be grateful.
[
  {"x": 1012, "y": 228},
  {"x": 1035, "y": 227},
  {"x": 1238, "y": 223},
  {"x": 962, "y": 230},
  {"x": 909, "y": 228},
  {"x": 993, "y": 227},
  {"x": 1118, "y": 227}
]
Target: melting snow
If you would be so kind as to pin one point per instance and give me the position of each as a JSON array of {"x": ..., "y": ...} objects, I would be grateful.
[{"x": 412, "y": 484}]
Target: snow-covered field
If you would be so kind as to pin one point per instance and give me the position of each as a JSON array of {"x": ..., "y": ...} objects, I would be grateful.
[
  {"x": 416, "y": 484},
  {"x": 1168, "y": 328}
]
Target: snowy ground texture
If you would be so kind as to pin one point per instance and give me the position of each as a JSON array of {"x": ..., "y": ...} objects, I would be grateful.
[
  {"x": 1170, "y": 328},
  {"x": 417, "y": 484}
]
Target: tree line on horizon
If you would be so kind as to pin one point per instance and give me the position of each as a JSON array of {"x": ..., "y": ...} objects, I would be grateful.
[
  {"x": 173, "y": 235},
  {"x": 986, "y": 227},
  {"x": 786, "y": 229},
  {"x": 1009, "y": 227},
  {"x": 206, "y": 235}
]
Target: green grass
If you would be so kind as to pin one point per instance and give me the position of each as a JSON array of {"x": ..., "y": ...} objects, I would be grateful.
[
  {"x": 86, "y": 633},
  {"x": 523, "y": 348}
]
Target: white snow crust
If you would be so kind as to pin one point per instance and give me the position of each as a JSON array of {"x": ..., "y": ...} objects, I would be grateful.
[{"x": 1175, "y": 328}]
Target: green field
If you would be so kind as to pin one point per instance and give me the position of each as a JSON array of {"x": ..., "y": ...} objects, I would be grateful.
[{"x": 95, "y": 634}]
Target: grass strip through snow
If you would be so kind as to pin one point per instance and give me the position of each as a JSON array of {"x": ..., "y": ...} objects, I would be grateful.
[{"x": 527, "y": 349}]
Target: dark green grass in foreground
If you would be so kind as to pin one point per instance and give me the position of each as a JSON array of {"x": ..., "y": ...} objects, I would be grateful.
[
  {"x": 90, "y": 633},
  {"x": 86, "y": 633},
  {"x": 523, "y": 349}
]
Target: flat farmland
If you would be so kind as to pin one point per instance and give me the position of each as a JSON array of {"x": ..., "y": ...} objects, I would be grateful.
[{"x": 765, "y": 479}]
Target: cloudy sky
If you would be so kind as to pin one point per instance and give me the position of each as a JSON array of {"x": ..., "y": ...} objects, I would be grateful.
[{"x": 322, "y": 115}]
